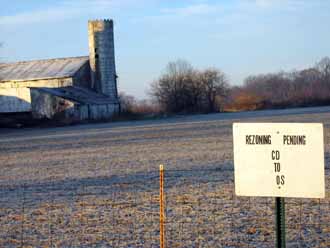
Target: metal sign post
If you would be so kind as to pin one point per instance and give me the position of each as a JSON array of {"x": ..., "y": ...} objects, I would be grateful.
[
  {"x": 280, "y": 222},
  {"x": 161, "y": 207}
]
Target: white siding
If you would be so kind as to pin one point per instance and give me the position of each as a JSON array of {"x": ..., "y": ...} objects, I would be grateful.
[{"x": 15, "y": 100}]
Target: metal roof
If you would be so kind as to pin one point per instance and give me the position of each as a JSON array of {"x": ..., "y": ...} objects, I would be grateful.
[
  {"x": 41, "y": 69},
  {"x": 78, "y": 94}
]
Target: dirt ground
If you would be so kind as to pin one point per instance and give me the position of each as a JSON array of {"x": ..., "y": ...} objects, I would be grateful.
[{"x": 97, "y": 186}]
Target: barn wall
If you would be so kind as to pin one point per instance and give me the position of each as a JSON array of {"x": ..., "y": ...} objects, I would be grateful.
[
  {"x": 82, "y": 77},
  {"x": 15, "y": 100},
  {"x": 45, "y": 105},
  {"x": 103, "y": 111},
  {"x": 15, "y": 95},
  {"x": 48, "y": 106},
  {"x": 50, "y": 83}
]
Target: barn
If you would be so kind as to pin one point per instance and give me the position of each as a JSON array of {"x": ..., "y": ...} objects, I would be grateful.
[{"x": 74, "y": 89}]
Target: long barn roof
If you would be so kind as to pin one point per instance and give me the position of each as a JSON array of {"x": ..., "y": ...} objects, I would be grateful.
[
  {"x": 78, "y": 94},
  {"x": 41, "y": 69}
]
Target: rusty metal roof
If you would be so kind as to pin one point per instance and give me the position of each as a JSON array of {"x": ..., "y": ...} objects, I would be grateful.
[{"x": 41, "y": 69}]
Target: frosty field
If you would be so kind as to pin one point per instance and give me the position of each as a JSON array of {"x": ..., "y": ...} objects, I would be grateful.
[{"x": 97, "y": 186}]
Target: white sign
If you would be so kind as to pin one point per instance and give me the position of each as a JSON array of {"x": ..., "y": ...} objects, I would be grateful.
[{"x": 279, "y": 159}]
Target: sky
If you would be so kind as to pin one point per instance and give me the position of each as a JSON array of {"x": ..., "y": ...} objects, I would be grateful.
[{"x": 239, "y": 37}]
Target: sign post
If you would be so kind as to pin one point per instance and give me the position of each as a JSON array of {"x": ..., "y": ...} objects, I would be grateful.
[
  {"x": 279, "y": 160},
  {"x": 280, "y": 222},
  {"x": 161, "y": 207}
]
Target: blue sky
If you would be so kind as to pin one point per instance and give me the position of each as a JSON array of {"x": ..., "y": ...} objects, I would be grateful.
[{"x": 240, "y": 37}]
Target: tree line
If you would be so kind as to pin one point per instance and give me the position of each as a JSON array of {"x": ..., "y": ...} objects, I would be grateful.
[
  {"x": 184, "y": 89},
  {"x": 300, "y": 88}
]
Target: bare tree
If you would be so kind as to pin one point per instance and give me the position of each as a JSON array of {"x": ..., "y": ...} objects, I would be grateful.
[
  {"x": 127, "y": 102},
  {"x": 323, "y": 66},
  {"x": 1, "y": 45},
  {"x": 184, "y": 89},
  {"x": 215, "y": 86},
  {"x": 171, "y": 89}
]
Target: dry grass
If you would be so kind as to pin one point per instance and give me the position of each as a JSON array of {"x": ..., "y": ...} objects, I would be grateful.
[{"x": 97, "y": 186}]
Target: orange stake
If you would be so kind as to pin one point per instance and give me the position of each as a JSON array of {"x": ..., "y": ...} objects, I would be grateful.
[{"x": 161, "y": 207}]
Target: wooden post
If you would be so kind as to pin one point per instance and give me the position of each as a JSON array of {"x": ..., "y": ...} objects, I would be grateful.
[{"x": 161, "y": 207}]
